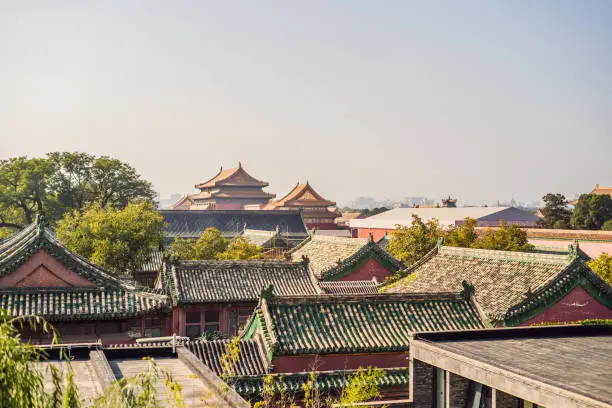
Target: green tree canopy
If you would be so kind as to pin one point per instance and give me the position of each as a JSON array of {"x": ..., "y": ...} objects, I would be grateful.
[
  {"x": 504, "y": 238},
  {"x": 61, "y": 182},
  {"x": 409, "y": 244},
  {"x": 240, "y": 248},
  {"x": 462, "y": 236},
  {"x": 607, "y": 226},
  {"x": 602, "y": 266},
  {"x": 119, "y": 239},
  {"x": 591, "y": 211},
  {"x": 556, "y": 213},
  {"x": 208, "y": 246}
]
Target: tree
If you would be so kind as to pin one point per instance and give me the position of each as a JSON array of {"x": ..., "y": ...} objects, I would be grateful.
[
  {"x": 21, "y": 385},
  {"x": 555, "y": 211},
  {"x": 240, "y": 248},
  {"x": 24, "y": 190},
  {"x": 602, "y": 266},
  {"x": 409, "y": 244},
  {"x": 208, "y": 246},
  {"x": 505, "y": 238},
  {"x": 363, "y": 386},
  {"x": 607, "y": 226},
  {"x": 62, "y": 182},
  {"x": 462, "y": 236},
  {"x": 591, "y": 211},
  {"x": 117, "y": 239}
]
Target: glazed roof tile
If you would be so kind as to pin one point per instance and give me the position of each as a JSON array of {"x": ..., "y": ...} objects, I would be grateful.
[
  {"x": 236, "y": 176},
  {"x": 326, "y": 381},
  {"x": 303, "y": 195},
  {"x": 251, "y": 360},
  {"x": 80, "y": 303},
  {"x": 236, "y": 281},
  {"x": 343, "y": 324},
  {"x": 502, "y": 279},
  {"x": 261, "y": 238},
  {"x": 363, "y": 287},
  {"x": 110, "y": 298},
  {"x": 333, "y": 257},
  {"x": 191, "y": 223}
]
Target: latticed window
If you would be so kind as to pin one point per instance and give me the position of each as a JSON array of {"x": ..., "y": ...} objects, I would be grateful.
[
  {"x": 197, "y": 323},
  {"x": 192, "y": 324}
]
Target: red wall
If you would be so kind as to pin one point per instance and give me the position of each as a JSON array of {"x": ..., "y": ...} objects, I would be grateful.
[
  {"x": 371, "y": 269},
  {"x": 43, "y": 270},
  {"x": 575, "y": 306},
  {"x": 295, "y": 364},
  {"x": 377, "y": 233}
]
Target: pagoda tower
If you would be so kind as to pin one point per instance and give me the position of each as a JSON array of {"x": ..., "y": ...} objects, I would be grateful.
[
  {"x": 317, "y": 212},
  {"x": 231, "y": 189}
]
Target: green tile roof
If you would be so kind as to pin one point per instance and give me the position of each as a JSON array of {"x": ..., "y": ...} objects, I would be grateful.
[
  {"x": 327, "y": 381},
  {"x": 251, "y": 359},
  {"x": 80, "y": 303},
  {"x": 236, "y": 281},
  {"x": 502, "y": 279},
  {"x": 342, "y": 324},
  {"x": 350, "y": 287},
  {"x": 112, "y": 298},
  {"x": 332, "y": 257}
]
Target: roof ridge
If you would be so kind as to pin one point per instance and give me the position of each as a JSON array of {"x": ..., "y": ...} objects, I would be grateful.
[{"x": 504, "y": 255}]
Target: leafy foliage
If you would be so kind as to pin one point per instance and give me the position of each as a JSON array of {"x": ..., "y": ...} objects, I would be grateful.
[
  {"x": 240, "y": 248},
  {"x": 20, "y": 383},
  {"x": 504, "y": 238},
  {"x": 210, "y": 244},
  {"x": 607, "y": 226},
  {"x": 117, "y": 239},
  {"x": 556, "y": 213},
  {"x": 462, "y": 236},
  {"x": 591, "y": 211},
  {"x": 62, "y": 182},
  {"x": 409, "y": 244},
  {"x": 363, "y": 386},
  {"x": 602, "y": 266}
]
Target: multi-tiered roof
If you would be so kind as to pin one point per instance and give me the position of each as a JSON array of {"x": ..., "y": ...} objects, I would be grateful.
[
  {"x": 229, "y": 189},
  {"x": 315, "y": 209}
]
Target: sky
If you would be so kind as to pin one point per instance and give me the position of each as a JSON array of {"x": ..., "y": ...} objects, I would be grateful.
[{"x": 483, "y": 100}]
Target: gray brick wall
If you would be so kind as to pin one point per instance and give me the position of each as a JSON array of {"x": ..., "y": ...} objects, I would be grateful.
[
  {"x": 423, "y": 385},
  {"x": 459, "y": 387},
  {"x": 506, "y": 401}
]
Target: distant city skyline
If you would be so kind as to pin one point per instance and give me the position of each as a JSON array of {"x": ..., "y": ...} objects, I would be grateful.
[{"x": 485, "y": 101}]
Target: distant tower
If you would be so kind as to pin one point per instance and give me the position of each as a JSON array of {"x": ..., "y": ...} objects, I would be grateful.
[{"x": 449, "y": 202}]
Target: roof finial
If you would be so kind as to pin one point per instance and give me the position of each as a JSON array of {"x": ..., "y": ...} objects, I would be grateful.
[
  {"x": 267, "y": 293},
  {"x": 221, "y": 168},
  {"x": 370, "y": 237},
  {"x": 468, "y": 290},
  {"x": 40, "y": 224},
  {"x": 239, "y": 165}
]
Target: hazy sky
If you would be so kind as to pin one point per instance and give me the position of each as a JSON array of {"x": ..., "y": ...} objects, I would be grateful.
[{"x": 389, "y": 99}]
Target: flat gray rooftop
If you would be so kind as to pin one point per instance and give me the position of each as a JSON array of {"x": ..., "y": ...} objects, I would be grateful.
[{"x": 581, "y": 364}]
